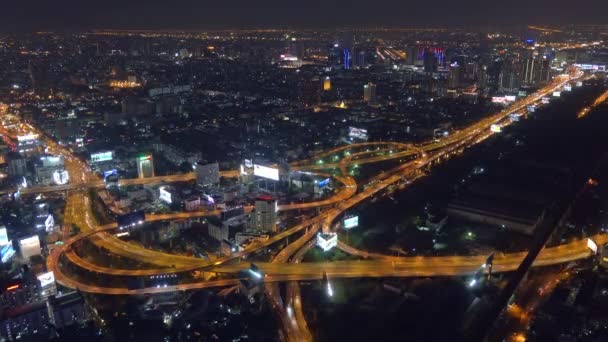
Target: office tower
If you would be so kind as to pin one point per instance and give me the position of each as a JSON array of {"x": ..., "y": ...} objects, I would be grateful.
[
  {"x": 207, "y": 174},
  {"x": 40, "y": 76},
  {"x": 346, "y": 58},
  {"x": 410, "y": 55},
  {"x": 145, "y": 166},
  {"x": 369, "y": 92},
  {"x": 265, "y": 214},
  {"x": 509, "y": 80},
  {"x": 360, "y": 59},
  {"x": 454, "y": 77},
  {"x": 309, "y": 91},
  {"x": 430, "y": 61}
]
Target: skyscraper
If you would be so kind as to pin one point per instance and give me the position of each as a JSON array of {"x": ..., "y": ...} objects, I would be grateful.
[
  {"x": 430, "y": 61},
  {"x": 369, "y": 92},
  {"x": 454, "y": 77},
  {"x": 265, "y": 214},
  {"x": 145, "y": 166}
]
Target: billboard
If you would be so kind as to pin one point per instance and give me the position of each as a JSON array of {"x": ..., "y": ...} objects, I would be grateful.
[
  {"x": 514, "y": 117},
  {"x": 102, "y": 156},
  {"x": 61, "y": 177},
  {"x": 567, "y": 87},
  {"x": 531, "y": 108},
  {"x": 110, "y": 173},
  {"x": 592, "y": 246},
  {"x": 557, "y": 93},
  {"x": 357, "y": 133},
  {"x": 266, "y": 172},
  {"x": 6, "y": 252},
  {"x": 327, "y": 241},
  {"x": 29, "y": 246},
  {"x": 49, "y": 223},
  {"x": 46, "y": 279},
  {"x": 495, "y": 128},
  {"x": 27, "y": 137},
  {"x": 3, "y": 236},
  {"x": 165, "y": 195},
  {"x": 545, "y": 100},
  {"x": 351, "y": 222}
]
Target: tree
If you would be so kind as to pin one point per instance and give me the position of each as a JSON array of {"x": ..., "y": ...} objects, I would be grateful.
[{"x": 75, "y": 230}]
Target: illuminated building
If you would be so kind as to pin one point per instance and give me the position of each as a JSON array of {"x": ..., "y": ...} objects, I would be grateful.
[
  {"x": 145, "y": 166},
  {"x": 327, "y": 84},
  {"x": 265, "y": 214},
  {"x": 369, "y": 92},
  {"x": 327, "y": 241},
  {"x": 454, "y": 78},
  {"x": 46, "y": 167}
]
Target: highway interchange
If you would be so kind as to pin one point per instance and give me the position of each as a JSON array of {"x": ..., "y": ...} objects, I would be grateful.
[{"x": 286, "y": 265}]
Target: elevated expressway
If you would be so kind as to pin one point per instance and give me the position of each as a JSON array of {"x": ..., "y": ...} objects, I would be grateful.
[{"x": 382, "y": 266}]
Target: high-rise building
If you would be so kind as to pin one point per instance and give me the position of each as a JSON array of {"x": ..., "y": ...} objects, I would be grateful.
[
  {"x": 17, "y": 165},
  {"x": 40, "y": 76},
  {"x": 346, "y": 58},
  {"x": 265, "y": 214},
  {"x": 207, "y": 174},
  {"x": 509, "y": 78},
  {"x": 454, "y": 77},
  {"x": 145, "y": 166},
  {"x": 369, "y": 92},
  {"x": 327, "y": 84},
  {"x": 360, "y": 59},
  {"x": 430, "y": 60}
]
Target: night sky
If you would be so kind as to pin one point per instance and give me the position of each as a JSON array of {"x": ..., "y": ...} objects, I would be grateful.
[{"x": 202, "y": 14}]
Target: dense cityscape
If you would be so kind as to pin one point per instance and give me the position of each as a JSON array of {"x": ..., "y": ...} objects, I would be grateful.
[{"x": 390, "y": 184}]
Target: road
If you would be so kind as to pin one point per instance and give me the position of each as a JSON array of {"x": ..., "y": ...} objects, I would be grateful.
[{"x": 385, "y": 266}]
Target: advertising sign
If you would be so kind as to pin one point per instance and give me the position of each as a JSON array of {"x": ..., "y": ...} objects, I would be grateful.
[
  {"x": 102, "y": 156},
  {"x": 266, "y": 172},
  {"x": 351, "y": 222},
  {"x": 46, "y": 279},
  {"x": 165, "y": 195},
  {"x": 3, "y": 236}
]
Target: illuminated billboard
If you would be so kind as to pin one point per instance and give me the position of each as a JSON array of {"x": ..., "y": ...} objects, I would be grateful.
[
  {"x": 592, "y": 246},
  {"x": 351, "y": 222},
  {"x": 3, "y": 236},
  {"x": 567, "y": 87},
  {"x": 27, "y": 137},
  {"x": 531, "y": 108},
  {"x": 49, "y": 223},
  {"x": 46, "y": 279},
  {"x": 357, "y": 133},
  {"x": 165, "y": 195},
  {"x": 108, "y": 173},
  {"x": 102, "y": 156},
  {"x": 327, "y": 241},
  {"x": 61, "y": 177},
  {"x": 266, "y": 172},
  {"x": 6, "y": 252},
  {"x": 557, "y": 93},
  {"x": 510, "y": 98},
  {"x": 495, "y": 128},
  {"x": 514, "y": 117},
  {"x": 29, "y": 246},
  {"x": 545, "y": 100}
]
